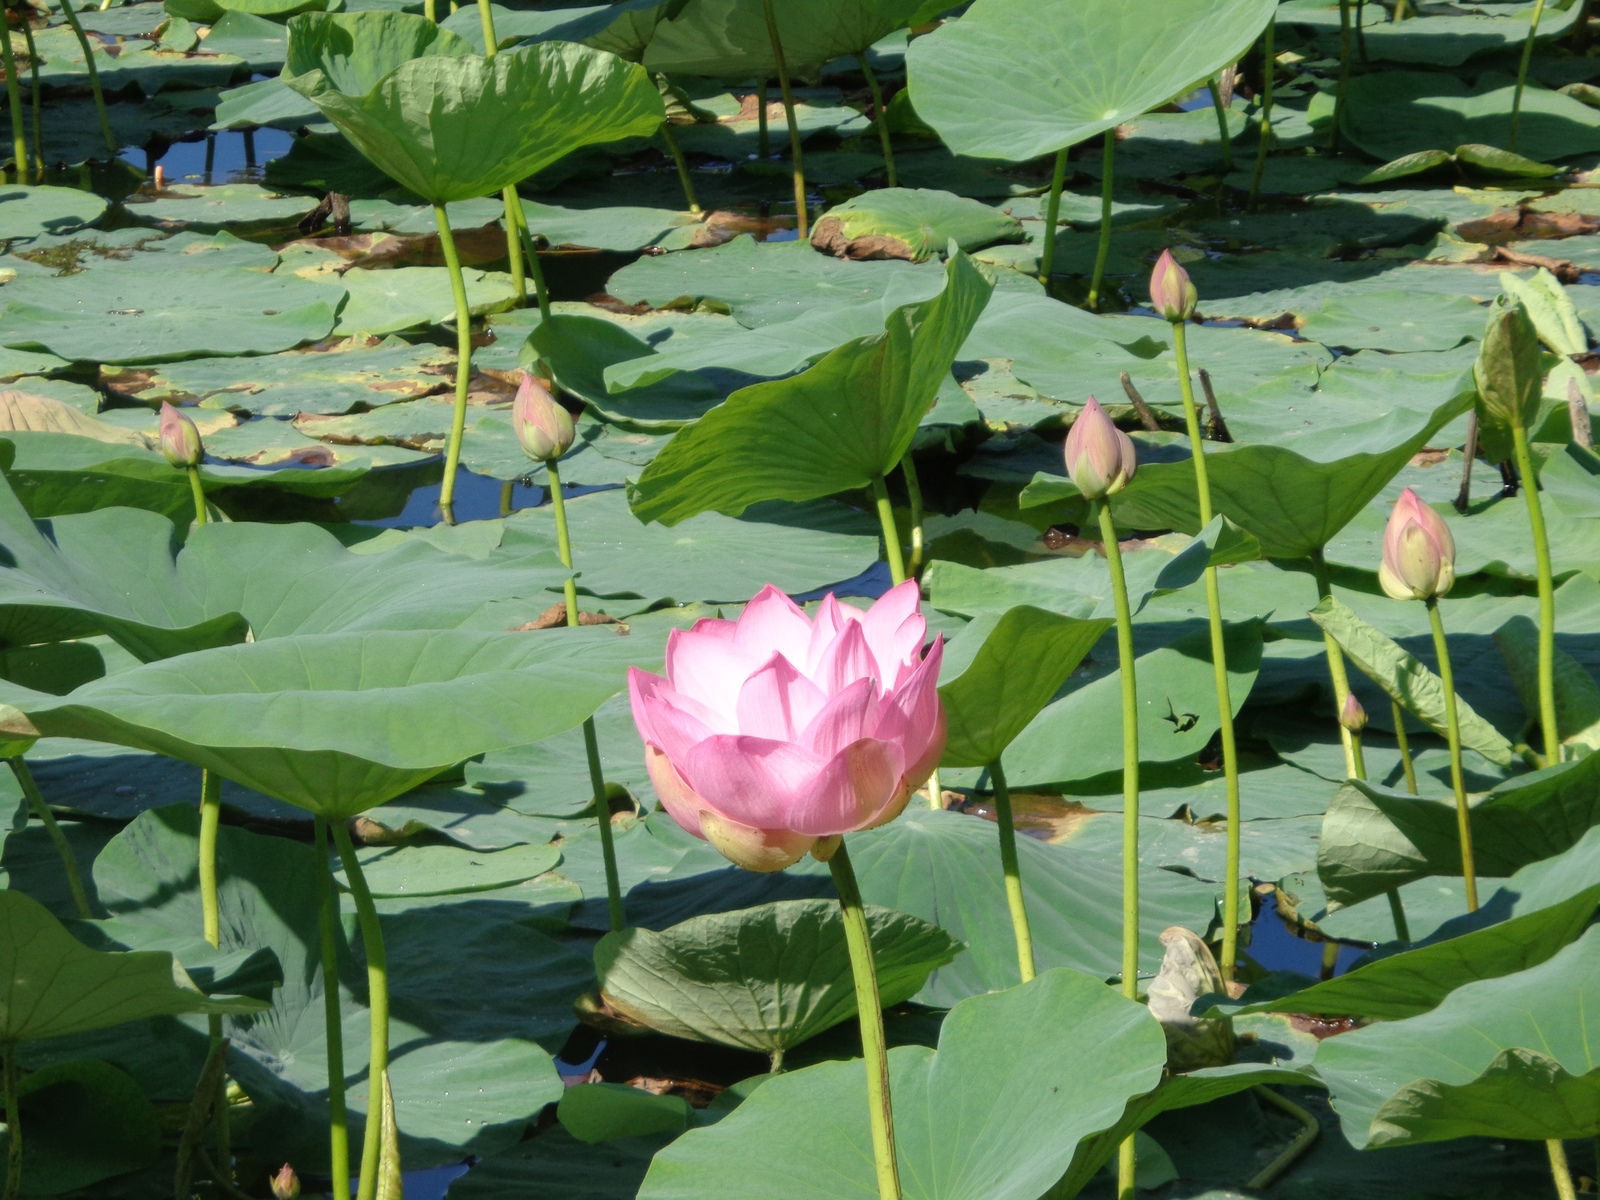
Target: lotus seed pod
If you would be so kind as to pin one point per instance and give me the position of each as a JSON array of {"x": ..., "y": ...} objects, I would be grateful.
[
  {"x": 543, "y": 426},
  {"x": 1100, "y": 457},
  {"x": 1172, "y": 293},
  {"x": 1508, "y": 371},
  {"x": 285, "y": 1184},
  {"x": 1419, "y": 555},
  {"x": 1352, "y": 716},
  {"x": 180, "y": 440}
]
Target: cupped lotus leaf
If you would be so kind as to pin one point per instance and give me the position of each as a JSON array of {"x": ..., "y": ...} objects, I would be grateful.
[
  {"x": 1015, "y": 79},
  {"x": 1037, "y": 1069},
  {"x": 454, "y": 127},
  {"x": 837, "y": 426},
  {"x": 1512, "y": 1057},
  {"x": 764, "y": 978},
  {"x": 911, "y": 223},
  {"x": 355, "y": 51},
  {"x": 578, "y": 349},
  {"x": 730, "y": 37},
  {"x": 338, "y": 723}
]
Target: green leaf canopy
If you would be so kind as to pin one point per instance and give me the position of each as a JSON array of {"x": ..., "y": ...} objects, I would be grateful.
[{"x": 730, "y": 37}]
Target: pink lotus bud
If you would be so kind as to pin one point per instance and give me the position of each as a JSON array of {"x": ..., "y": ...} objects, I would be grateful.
[
  {"x": 285, "y": 1184},
  {"x": 774, "y": 735},
  {"x": 543, "y": 426},
  {"x": 1100, "y": 457},
  {"x": 1172, "y": 293},
  {"x": 180, "y": 440},
  {"x": 1419, "y": 555},
  {"x": 1352, "y": 716}
]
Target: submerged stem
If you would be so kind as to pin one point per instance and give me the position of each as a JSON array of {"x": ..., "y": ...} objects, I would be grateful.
[
  {"x": 1547, "y": 596},
  {"x": 1453, "y": 729},
  {"x": 1108, "y": 166},
  {"x": 1013, "y": 873},
  {"x": 338, "y": 1118},
  {"x": 914, "y": 496},
  {"x": 879, "y": 116},
  {"x": 1522, "y": 74},
  {"x": 802, "y": 215},
  {"x": 377, "y": 1007},
  {"x": 1052, "y": 214},
  {"x": 1268, "y": 64},
  {"x": 458, "y": 423},
  {"x": 891, "y": 533},
  {"x": 69, "y": 864}
]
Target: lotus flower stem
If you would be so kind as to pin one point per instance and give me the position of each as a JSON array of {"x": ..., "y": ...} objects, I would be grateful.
[
  {"x": 880, "y": 118},
  {"x": 513, "y": 202},
  {"x": 1310, "y": 1128},
  {"x": 1108, "y": 164},
  {"x": 377, "y": 1008},
  {"x": 458, "y": 424},
  {"x": 211, "y": 928},
  {"x": 338, "y": 1118},
  {"x": 94, "y": 76},
  {"x": 1336, "y": 669},
  {"x": 1222, "y": 124},
  {"x": 1547, "y": 596},
  {"x": 914, "y": 496},
  {"x": 1406, "y": 764},
  {"x": 802, "y": 214},
  {"x": 19, "y": 135},
  {"x": 763, "y": 134},
  {"x": 1522, "y": 75},
  {"x": 69, "y": 864},
  {"x": 891, "y": 532},
  {"x": 1559, "y": 1171},
  {"x": 869, "y": 1012},
  {"x": 1013, "y": 873},
  {"x": 530, "y": 254},
  {"x": 13, "y": 1121},
  {"x": 1402, "y": 10},
  {"x": 38, "y": 102},
  {"x": 429, "y": 11},
  {"x": 1219, "y": 665},
  {"x": 1453, "y": 728},
  {"x": 935, "y": 792},
  {"x": 682, "y": 164},
  {"x": 198, "y": 492},
  {"x": 1052, "y": 214},
  {"x": 1344, "y": 72},
  {"x": 1269, "y": 63}
]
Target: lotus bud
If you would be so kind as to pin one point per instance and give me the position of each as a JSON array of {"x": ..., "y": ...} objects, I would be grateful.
[
  {"x": 1508, "y": 372},
  {"x": 1172, "y": 293},
  {"x": 180, "y": 440},
  {"x": 1352, "y": 716},
  {"x": 1100, "y": 457},
  {"x": 285, "y": 1184},
  {"x": 1419, "y": 555},
  {"x": 542, "y": 425}
]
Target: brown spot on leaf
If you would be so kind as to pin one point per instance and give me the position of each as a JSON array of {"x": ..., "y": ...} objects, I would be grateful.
[
  {"x": 556, "y": 616},
  {"x": 829, "y": 236}
]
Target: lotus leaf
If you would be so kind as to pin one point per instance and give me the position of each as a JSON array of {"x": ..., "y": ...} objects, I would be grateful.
[{"x": 730, "y": 38}]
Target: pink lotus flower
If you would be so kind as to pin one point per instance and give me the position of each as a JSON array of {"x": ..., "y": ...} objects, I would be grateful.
[
  {"x": 1172, "y": 293},
  {"x": 1419, "y": 555},
  {"x": 180, "y": 440},
  {"x": 542, "y": 425},
  {"x": 1353, "y": 715},
  {"x": 1100, "y": 457},
  {"x": 775, "y": 734}
]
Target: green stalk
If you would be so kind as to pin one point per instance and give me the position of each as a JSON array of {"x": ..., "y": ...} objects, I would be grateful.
[
  {"x": 763, "y": 135},
  {"x": 679, "y": 161},
  {"x": 338, "y": 1118},
  {"x": 458, "y": 424},
  {"x": 19, "y": 136},
  {"x": 869, "y": 1012},
  {"x": 1336, "y": 671},
  {"x": 891, "y": 534},
  {"x": 1219, "y": 664},
  {"x": 38, "y": 101},
  {"x": 1406, "y": 764},
  {"x": 94, "y": 76},
  {"x": 935, "y": 792},
  {"x": 1397, "y": 910},
  {"x": 1453, "y": 728},
  {"x": 1103, "y": 253},
  {"x": 1310, "y": 1128},
  {"x": 508, "y": 194},
  {"x": 1522, "y": 74},
  {"x": 1013, "y": 873},
  {"x": 1268, "y": 64},
  {"x": 535, "y": 270},
  {"x": 211, "y": 929},
  {"x": 198, "y": 491},
  {"x": 1402, "y": 10},
  {"x": 802, "y": 214},
  {"x": 13, "y": 1121},
  {"x": 1359, "y": 755},
  {"x": 1052, "y": 214},
  {"x": 1222, "y": 124},
  {"x": 491, "y": 44},
  {"x": 591, "y": 743},
  {"x": 1344, "y": 70},
  {"x": 1396, "y": 906},
  {"x": 431, "y": 13},
  {"x": 880, "y": 114},
  {"x": 1547, "y": 596},
  {"x": 1559, "y": 1171},
  {"x": 377, "y": 1007},
  {"x": 69, "y": 864},
  {"x": 914, "y": 495}
]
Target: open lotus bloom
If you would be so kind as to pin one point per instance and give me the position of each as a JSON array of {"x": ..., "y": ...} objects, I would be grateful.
[
  {"x": 775, "y": 734},
  {"x": 1419, "y": 555}
]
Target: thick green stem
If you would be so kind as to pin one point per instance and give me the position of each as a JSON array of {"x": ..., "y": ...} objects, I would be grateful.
[
  {"x": 1336, "y": 670},
  {"x": 491, "y": 44},
  {"x": 1052, "y": 214},
  {"x": 338, "y": 1117},
  {"x": 880, "y": 118},
  {"x": 682, "y": 163},
  {"x": 802, "y": 214},
  {"x": 1397, "y": 910},
  {"x": 1344, "y": 71},
  {"x": 1547, "y": 596},
  {"x": 1013, "y": 873},
  {"x": 13, "y": 1121},
  {"x": 914, "y": 497},
  {"x": 1269, "y": 65},
  {"x": 38, "y": 101},
  {"x": 377, "y": 1008},
  {"x": 1447, "y": 677},
  {"x": 198, "y": 492},
  {"x": 1102, "y": 254},
  {"x": 94, "y": 76},
  {"x": 1522, "y": 74},
  {"x": 431, "y": 12},
  {"x": 530, "y": 253},
  {"x": 1222, "y": 124},
  {"x": 1406, "y": 764},
  {"x": 210, "y": 819},
  {"x": 19, "y": 135},
  {"x": 869, "y": 1011},
  {"x": 891, "y": 533},
  {"x": 1402, "y": 10},
  {"x": 935, "y": 792},
  {"x": 69, "y": 864},
  {"x": 458, "y": 424},
  {"x": 1559, "y": 1171},
  {"x": 1130, "y": 756},
  {"x": 519, "y": 276}
]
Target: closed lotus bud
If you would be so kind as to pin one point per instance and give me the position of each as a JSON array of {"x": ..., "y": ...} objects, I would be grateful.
[
  {"x": 1419, "y": 555},
  {"x": 285, "y": 1184},
  {"x": 1352, "y": 716},
  {"x": 1172, "y": 293},
  {"x": 1508, "y": 372},
  {"x": 180, "y": 440},
  {"x": 543, "y": 427},
  {"x": 1100, "y": 457}
]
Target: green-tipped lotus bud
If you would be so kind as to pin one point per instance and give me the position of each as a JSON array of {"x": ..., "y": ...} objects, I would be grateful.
[
  {"x": 1419, "y": 555},
  {"x": 180, "y": 440},
  {"x": 1508, "y": 372},
  {"x": 543, "y": 427},
  {"x": 1352, "y": 716},
  {"x": 1100, "y": 457},
  {"x": 1172, "y": 293},
  {"x": 285, "y": 1184}
]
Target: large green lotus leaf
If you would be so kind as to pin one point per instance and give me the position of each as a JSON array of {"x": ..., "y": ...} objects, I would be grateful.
[
  {"x": 1395, "y": 321},
  {"x": 455, "y": 127},
  {"x": 622, "y": 28},
  {"x": 915, "y": 224},
  {"x": 764, "y": 978},
  {"x": 836, "y": 427},
  {"x": 1447, "y": 39},
  {"x": 206, "y": 207},
  {"x": 1512, "y": 1057},
  {"x": 729, "y": 37},
  {"x": 1390, "y": 114},
  {"x": 1037, "y": 1068},
  {"x": 28, "y": 211},
  {"x": 54, "y": 985},
  {"x": 85, "y": 1122},
  {"x": 210, "y": 11},
  {"x": 992, "y": 82},
  {"x": 557, "y": 1164},
  {"x": 339, "y": 723},
  {"x": 355, "y": 51},
  {"x": 406, "y": 871},
  {"x": 1000, "y": 671},
  {"x": 1374, "y": 838},
  {"x": 579, "y": 349}
]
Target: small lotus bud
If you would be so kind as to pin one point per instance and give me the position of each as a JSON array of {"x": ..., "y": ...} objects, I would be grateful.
[
  {"x": 1172, "y": 294},
  {"x": 1100, "y": 457},
  {"x": 1419, "y": 555},
  {"x": 1508, "y": 372},
  {"x": 180, "y": 440},
  {"x": 1352, "y": 716},
  {"x": 285, "y": 1184},
  {"x": 543, "y": 427}
]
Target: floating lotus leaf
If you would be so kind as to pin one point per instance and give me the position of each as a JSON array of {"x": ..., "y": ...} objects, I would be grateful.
[{"x": 730, "y": 37}]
